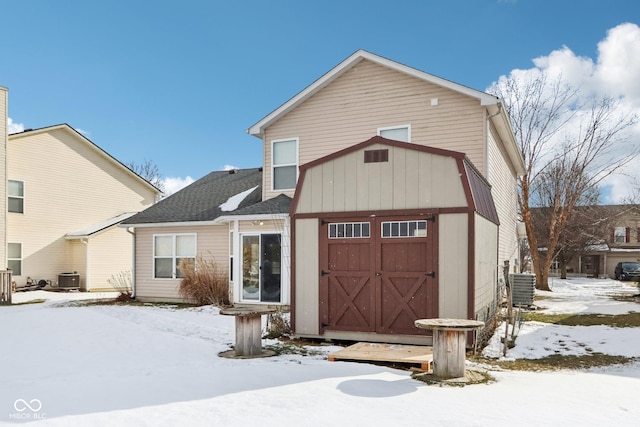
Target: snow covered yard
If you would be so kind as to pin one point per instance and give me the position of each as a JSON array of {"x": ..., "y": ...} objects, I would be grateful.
[{"x": 104, "y": 365}]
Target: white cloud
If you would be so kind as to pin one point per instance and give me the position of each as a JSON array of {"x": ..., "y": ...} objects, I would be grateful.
[
  {"x": 174, "y": 184},
  {"x": 229, "y": 167},
  {"x": 614, "y": 73},
  {"x": 14, "y": 127}
]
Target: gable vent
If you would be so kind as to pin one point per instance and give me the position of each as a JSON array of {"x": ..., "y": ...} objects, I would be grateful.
[{"x": 376, "y": 156}]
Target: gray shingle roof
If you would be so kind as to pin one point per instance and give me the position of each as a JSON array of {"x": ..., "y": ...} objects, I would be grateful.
[{"x": 201, "y": 200}]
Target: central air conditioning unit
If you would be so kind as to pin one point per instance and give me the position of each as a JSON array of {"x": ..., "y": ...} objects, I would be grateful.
[{"x": 69, "y": 281}]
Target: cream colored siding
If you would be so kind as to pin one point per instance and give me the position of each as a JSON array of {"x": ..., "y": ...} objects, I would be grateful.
[
  {"x": 504, "y": 190},
  {"x": 3, "y": 176},
  {"x": 370, "y": 96},
  {"x": 212, "y": 243},
  {"x": 307, "y": 299},
  {"x": 409, "y": 180},
  {"x": 486, "y": 264},
  {"x": 109, "y": 254},
  {"x": 453, "y": 236},
  {"x": 77, "y": 251},
  {"x": 68, "y": 185}
]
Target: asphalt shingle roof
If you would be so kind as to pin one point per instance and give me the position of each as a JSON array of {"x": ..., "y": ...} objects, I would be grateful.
[{"x": 201, "y": 200}]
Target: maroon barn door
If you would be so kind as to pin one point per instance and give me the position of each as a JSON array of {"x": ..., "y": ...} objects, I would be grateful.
[{"x": 378, "y": 275}]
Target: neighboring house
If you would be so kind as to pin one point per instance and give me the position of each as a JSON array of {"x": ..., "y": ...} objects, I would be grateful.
[
  {"x": 65, "y": 198},
  {"x": 373, "y": 150},
  {"x": 618, "y": 240}
]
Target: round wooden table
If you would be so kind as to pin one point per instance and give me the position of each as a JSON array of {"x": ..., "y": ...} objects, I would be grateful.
[
  {"x": 248, "y": 331},
  {"x": 449, "y": 344}
]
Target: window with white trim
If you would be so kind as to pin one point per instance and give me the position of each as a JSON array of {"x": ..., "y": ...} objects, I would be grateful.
[
  {"x": 284, "y": 162},
  {"x": 14, "y": 258},
  {"x": 397, "y": 133},
  {"x": 404, "y": 229},
  {"x": 169, "y": 250},
  {"x": 349, "y": 230},
  {"x": 620, "y": 235},
  {"x": 15, "y": 191}
]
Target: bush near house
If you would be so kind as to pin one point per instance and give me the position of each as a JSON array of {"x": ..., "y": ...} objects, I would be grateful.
[{"x": 204, "y": 282}]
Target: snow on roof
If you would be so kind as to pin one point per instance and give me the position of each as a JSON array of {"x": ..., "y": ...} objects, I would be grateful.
[
  {"x": 92, "y": 229},
  {"x": 233, "y": 202}
]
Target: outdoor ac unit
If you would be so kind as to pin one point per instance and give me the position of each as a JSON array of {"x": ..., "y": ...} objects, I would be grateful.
[
  {"x": 69, "y": 280},
  {"x": 523, "y": 288}
]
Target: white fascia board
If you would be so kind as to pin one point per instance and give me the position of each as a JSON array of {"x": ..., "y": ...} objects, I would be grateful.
[
  {"x": 169, "y": 224},
  {"x": 261, "y": 217}
]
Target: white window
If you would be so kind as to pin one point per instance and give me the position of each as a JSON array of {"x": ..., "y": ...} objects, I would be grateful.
[
  {"x": 404, "y": 229},
  {"x": 14, "y": 258},
  {"x": 349, "y": 230},
  {"x": 398, "y": 133},
  {"x": 15, "y": 192},
  {"x": 169, "y": 250},
  {"x": 284, "y": 155},
  {"x": 620, "y": 235}
]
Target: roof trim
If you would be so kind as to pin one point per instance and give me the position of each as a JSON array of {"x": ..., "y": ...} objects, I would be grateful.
[
  {"x": 69, "y": 129},
  {"x": 360, "y": 55},
  {"x": 97, "y": 228}
]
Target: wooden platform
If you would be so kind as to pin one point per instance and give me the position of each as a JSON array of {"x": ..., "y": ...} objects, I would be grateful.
[{"x": 395, "y": 353}]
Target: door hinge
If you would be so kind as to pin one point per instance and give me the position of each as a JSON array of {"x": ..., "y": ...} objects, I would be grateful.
[
  {"x": 432, "y": 274},
  {"x": 324, "y": 272}
]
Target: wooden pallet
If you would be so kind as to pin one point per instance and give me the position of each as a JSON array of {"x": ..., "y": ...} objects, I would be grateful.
[{"x": 395, "y": 353}]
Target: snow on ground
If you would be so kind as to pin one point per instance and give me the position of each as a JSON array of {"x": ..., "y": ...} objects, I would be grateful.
[{"x": 104, "y": 365}]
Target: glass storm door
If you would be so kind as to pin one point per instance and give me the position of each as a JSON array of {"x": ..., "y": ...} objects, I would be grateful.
[{"x": 261, "y": 267}]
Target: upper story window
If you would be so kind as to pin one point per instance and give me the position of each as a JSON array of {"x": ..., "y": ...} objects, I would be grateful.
[
  {"x": 620, "y": 235},
  {"x": 398, "y": 133},
  {"x": 15, "y": 191},
  {"x": 169, "y": 250},
  {"x": 284, "y": 162}
]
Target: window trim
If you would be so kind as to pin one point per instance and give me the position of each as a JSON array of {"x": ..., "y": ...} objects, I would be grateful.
[
  {"x": 173, "y": 256},
  {"x": 406, "y": 126},
  {"x": 9, "y": 196},
  {"x": 623, "y": 235},
  {"x": 273, "y": 166},
  {"x": 15, "y": 259}
]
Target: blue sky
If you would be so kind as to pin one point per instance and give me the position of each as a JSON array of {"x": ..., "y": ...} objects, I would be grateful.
[{"x": 179, "y": 82}]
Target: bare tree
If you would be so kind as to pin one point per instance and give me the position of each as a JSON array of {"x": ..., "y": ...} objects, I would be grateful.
[
  {"x": 149, "y": 171},
  {"x": 569, "y": 148}
]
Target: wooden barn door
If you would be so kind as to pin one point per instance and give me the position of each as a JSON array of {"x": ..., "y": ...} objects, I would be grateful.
[{"x": 377, "y": 275}]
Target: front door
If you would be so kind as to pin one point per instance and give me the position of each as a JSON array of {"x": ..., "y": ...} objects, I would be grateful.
[{"x": 378, "y": 275}]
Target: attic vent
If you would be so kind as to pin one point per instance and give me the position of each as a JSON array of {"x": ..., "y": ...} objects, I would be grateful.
[
  {"x": 376, "y": 156},
  {"x": 232, "y": 171}
]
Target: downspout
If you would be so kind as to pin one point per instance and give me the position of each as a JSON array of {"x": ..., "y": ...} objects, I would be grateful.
[
  {"x": 85, "y": 240},
  {"x": 133, "y": 262}
]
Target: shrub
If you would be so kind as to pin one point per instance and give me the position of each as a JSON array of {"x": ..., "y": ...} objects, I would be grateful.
[
  {"x": 204, "y": 282},
  {"x": 121, "y": 282},
  {"x": 278, "y": 325}
]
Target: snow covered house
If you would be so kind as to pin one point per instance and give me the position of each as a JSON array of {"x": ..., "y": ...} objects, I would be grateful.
[
  {"x": 387, "y": 194},
  {"x": 64, "y": 199}
]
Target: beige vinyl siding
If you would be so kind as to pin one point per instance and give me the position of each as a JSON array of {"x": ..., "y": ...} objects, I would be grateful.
[
  {"x": 369, "y": 96},
  {"x": 212, "y": 243},
  {"x": 414, "y": 179},
  {"x": 307, "y": 299},
  {"x": 3, "y": 177},
  {"x": 109, "y": 254},
  {"x": 504, "y": 189},
  {"x": 68, "y": 185},
  {"x": 77, "y": 262},
  {"x": 453, "y": 236},
  {"x": 486, "y": 265}
]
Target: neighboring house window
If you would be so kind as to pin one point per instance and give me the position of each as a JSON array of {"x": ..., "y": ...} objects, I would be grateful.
[
  {"x": 14, "y": 258},
  {"x": 620, "y": 235},
  {"x": 169, "y": 250},
  {"x": 15, "y": 192},
  {"x": 285, "y": 164},
  {"x": 398, "y": 133}
]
